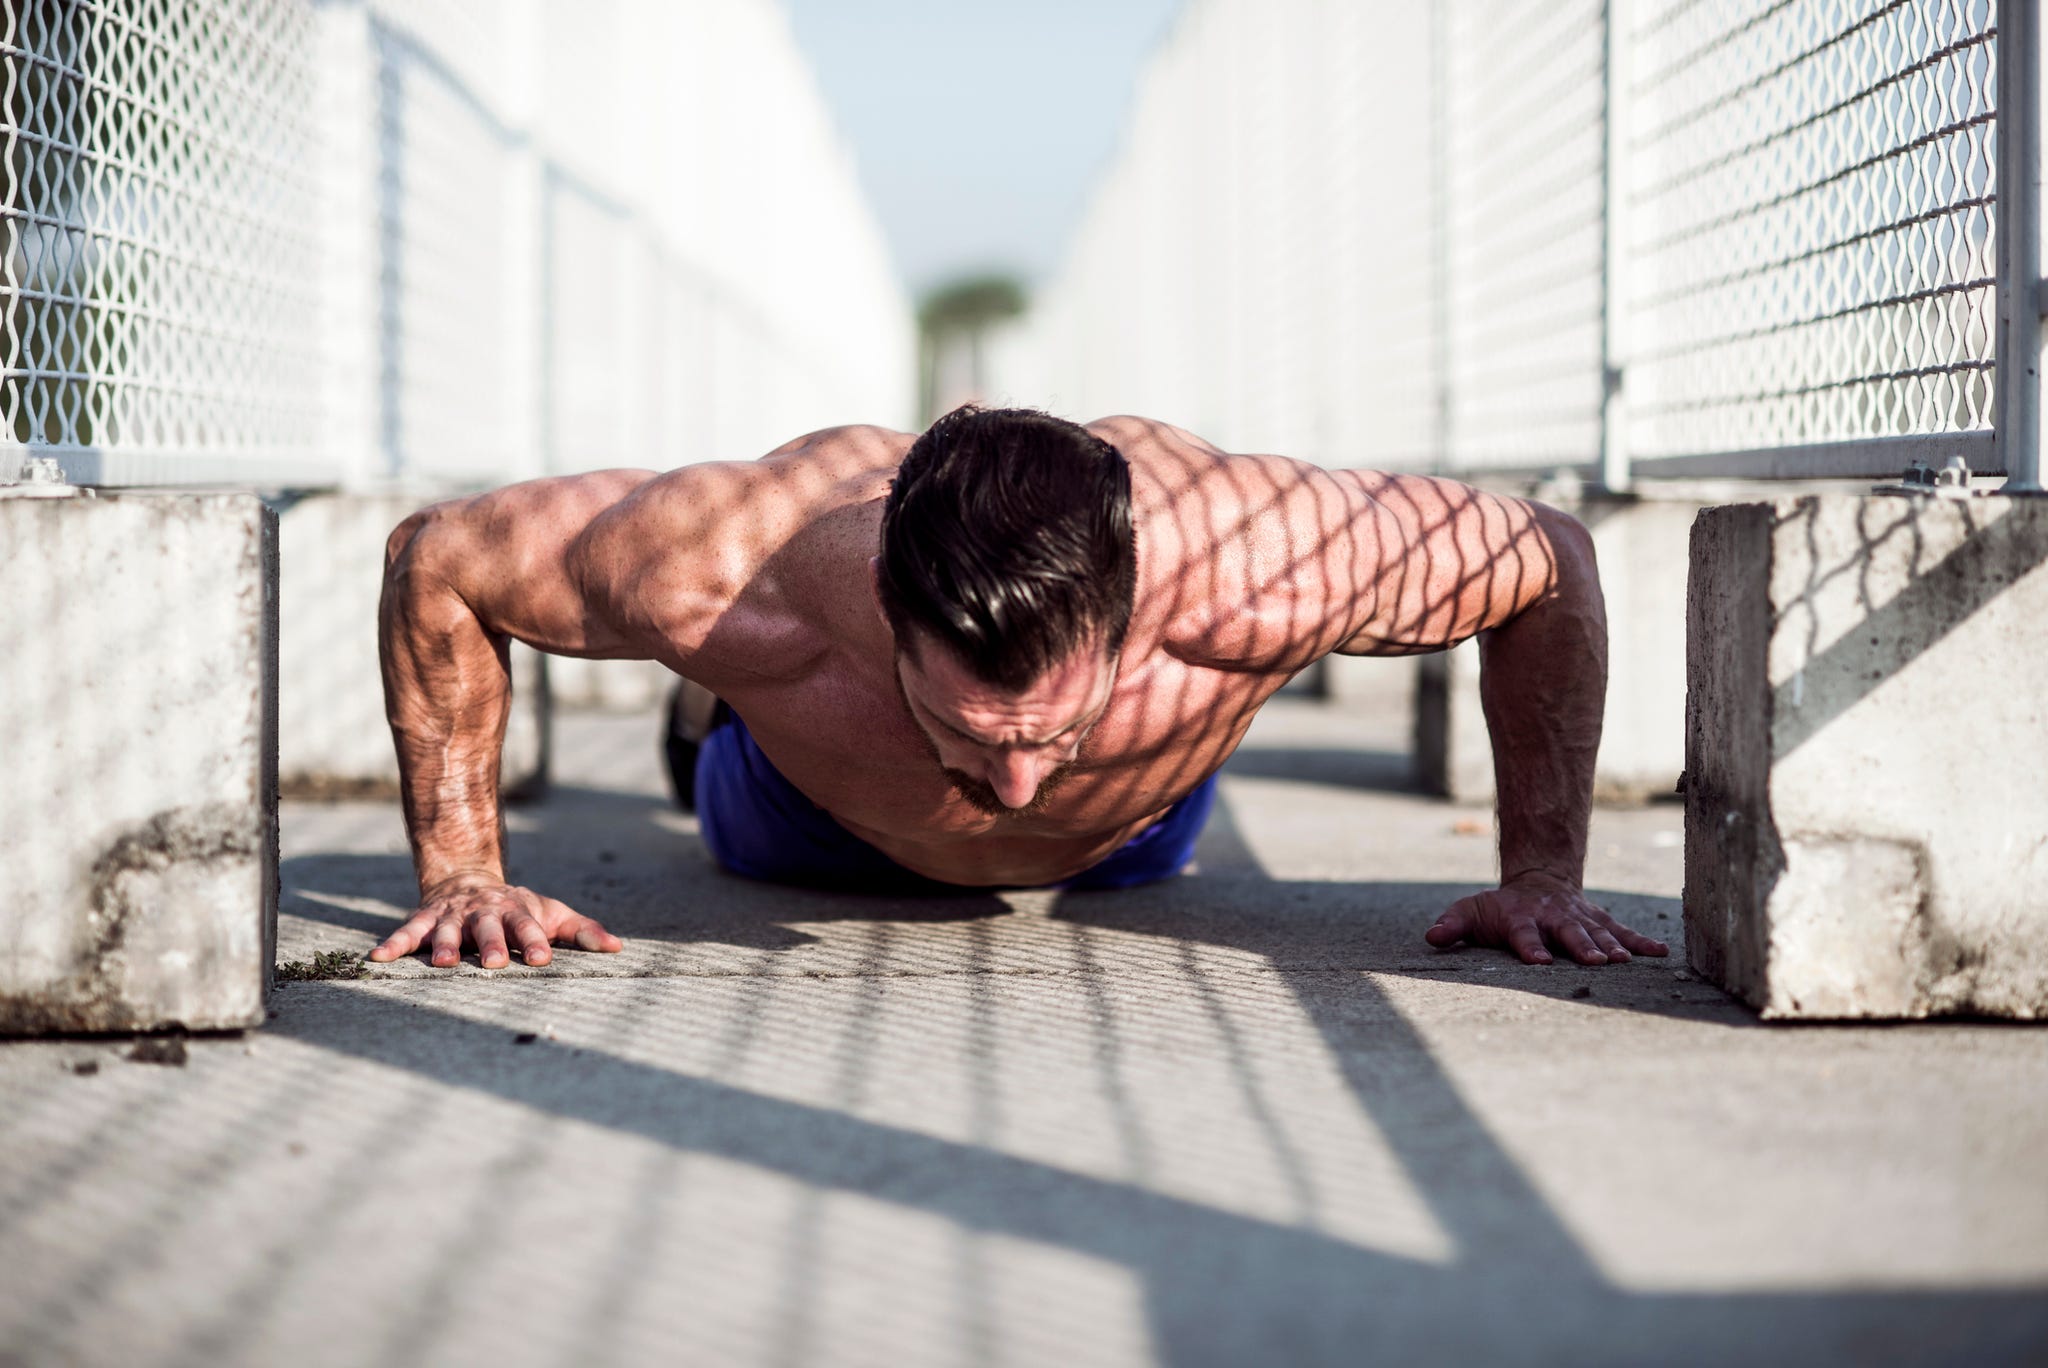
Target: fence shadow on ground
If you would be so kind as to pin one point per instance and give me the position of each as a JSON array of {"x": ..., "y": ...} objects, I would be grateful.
[{"x": 1219, "y": 1286}]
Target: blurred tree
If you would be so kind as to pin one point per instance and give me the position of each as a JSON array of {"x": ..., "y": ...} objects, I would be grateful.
[{"x": 953, "y": 322}]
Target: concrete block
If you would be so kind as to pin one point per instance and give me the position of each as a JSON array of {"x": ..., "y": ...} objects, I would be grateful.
[
  {"x": 1384, "y": 683},
  {"x": 1866, "y": 818},
  {"x": 608, "y": 685},
  {"x": 1453, "y": 755},
  {"x": 333, "y": 739},
  {"x": 138, "y": 820},
  {"x": 1641, "y": 548}
]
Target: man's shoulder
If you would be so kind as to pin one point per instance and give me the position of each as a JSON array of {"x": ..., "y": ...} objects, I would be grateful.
[
  {"x": 848, "y": 450},
  {"x": 778, "y": 538},
  {"x": 1171, "y": 459},
  {"x": 1146, "y": 441},
  {"x": 787, "y": 488}
]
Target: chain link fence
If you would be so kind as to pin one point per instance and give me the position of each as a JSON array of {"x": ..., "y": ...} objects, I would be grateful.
[
  {"x": 1807, "y": 223},
  {"x": 160, "y": 244},
  {"x": 455, "y": 242},
  {"x": 1631, "y": 237}
]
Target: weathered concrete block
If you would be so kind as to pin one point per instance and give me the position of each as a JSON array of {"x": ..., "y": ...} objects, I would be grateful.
[
  {"x": 1641, "y": 547},
  {"x": 138, "y": 820},
  {"x": 609, "y": 685},
  {"x": 1453, "y": 754},
  {"x": 1866, "y": 813},
  {"x": 333, "y": 739}
]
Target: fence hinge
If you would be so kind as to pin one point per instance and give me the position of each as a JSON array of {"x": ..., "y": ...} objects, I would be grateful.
[
  {"x": 40, "y": 477},
  {"x": 1921, "y": 480}
]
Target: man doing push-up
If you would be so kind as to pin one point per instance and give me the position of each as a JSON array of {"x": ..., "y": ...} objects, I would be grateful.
[{"x": 1012, "y": 651}]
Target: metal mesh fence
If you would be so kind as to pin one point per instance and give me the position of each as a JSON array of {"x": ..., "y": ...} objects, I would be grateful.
[
  {"x": 451, "y": 242},
  {"x": 1673, "y": 237},
  {"x": 455, "y": 241},
  {"x": 159, "y": 243},
  {"x": 1808, "y": 222}
]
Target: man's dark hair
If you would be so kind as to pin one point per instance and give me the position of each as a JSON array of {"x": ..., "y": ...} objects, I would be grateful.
[{"x": 1007, "y": 538}]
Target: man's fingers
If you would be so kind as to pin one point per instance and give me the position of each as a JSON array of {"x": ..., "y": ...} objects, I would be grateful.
[
  {"x": 1450, "y": 928},
  {"x": 591, "y": 936},
  {"x": 399, "y": 942},
  {"x": 533, "y": 942},
  {"x": 1640, "y": 944},
  {"x": 447, "y": 943},
  {"x": 573, "y": 928},
  {"x": 1575, "y": 941},
  {"x": 405, "y": 939},
  {"x": 488, "y": 932},
  {"x": 1527, "y": 942},
  {"x": 1608, "y": 945},
  {"x": 1635, "y": 942}
]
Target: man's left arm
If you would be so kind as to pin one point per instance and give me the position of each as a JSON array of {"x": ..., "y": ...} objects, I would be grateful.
[
  {"x": 1543, "y": 684},
  {"x": 1445, "y": 562}
]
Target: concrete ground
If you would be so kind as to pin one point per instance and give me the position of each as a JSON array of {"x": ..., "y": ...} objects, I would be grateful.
[{"x": 1245, "y": 1118}]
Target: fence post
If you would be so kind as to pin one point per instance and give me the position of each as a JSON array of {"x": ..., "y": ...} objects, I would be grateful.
[
  {"x": 2018, "y": 356},
  {"x": 1440, "y": 237},
  {"x": 528, "y": 282},
  {"x": 352, "y": 397},
  {"x": 1614, "y": 468}
]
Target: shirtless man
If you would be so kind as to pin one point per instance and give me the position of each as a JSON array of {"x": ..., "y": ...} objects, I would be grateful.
[{"x": 1012, "y": 651}]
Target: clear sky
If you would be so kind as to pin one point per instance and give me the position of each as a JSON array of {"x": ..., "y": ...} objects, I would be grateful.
[{"x": 979, "y": 125}]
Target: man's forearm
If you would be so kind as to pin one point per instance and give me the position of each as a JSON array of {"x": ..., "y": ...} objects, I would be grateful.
[
  {"x": 447, "y": 695},
  {"x": 1543, "y": 684}
]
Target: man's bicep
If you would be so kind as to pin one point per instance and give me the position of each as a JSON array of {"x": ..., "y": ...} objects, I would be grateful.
[{"x": 1435, "y": 562}]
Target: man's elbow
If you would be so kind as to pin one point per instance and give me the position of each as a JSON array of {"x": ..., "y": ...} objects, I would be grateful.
[
  {"x": 419, "y": 535},
  {"x": 1575, "y": 564},
  {"x": 401, "y": 538}
]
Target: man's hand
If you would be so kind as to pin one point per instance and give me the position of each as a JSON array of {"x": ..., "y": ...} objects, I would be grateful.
[
  {"x": 1535, "y": 912},
  {"x": 458, "y": 913}
]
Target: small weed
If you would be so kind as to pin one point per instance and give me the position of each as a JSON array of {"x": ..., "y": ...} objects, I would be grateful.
[{"x": 328, "y": 964}]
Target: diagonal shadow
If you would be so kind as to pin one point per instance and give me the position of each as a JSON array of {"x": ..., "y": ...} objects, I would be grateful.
[
  {"x": 1220, "y": 1287},
  {"x": 1991, "y": 560},
  {"x": 1479, "y": 1193}
]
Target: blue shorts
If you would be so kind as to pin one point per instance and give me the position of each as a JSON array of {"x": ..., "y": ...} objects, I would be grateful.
[{"x": 760, "y": 825}]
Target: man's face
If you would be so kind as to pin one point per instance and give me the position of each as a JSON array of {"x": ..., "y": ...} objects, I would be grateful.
[{"x": 1004, "y": 752}]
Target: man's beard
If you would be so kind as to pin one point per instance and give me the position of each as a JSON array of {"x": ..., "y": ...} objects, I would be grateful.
[
  {"x": 981, "y": 796},
  {"x": 977, "y": 793}
]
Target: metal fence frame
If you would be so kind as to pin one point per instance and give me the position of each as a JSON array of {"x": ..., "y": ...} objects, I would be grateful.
[
  {"x": 1818, "y": 239},
  {"x": 486, "y": 239},
  {"x": 2020, "y": 294},
  {"x": 2010, "y": 446}
]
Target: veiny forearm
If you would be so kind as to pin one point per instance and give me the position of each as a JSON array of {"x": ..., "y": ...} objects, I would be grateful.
[
  {"x": 447, "y": 695},
  {"x": 1543, "y": 684}
]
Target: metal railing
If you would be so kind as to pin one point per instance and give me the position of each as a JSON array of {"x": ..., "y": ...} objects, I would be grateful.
[
  {"x": 159, "y": 235},
  {"x": 359, "y": 242},
  {"x": 1808, "y": 219},
  {"x": 1741, "y": 238}
]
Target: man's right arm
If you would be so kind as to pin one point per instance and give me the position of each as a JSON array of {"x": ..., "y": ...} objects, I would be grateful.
[{"x": 462, "y": 580}]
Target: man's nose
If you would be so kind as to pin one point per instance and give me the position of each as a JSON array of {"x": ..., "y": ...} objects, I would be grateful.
[{"x": 1016, "y": 775}]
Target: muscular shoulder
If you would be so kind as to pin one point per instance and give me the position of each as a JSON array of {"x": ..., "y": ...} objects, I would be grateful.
[
  {"x": 727, "y": 558},
  {"x": 1243, "y": 559}
]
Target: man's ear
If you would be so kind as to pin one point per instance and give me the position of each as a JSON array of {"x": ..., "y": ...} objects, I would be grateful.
[{"x": 875, "y": 587}]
